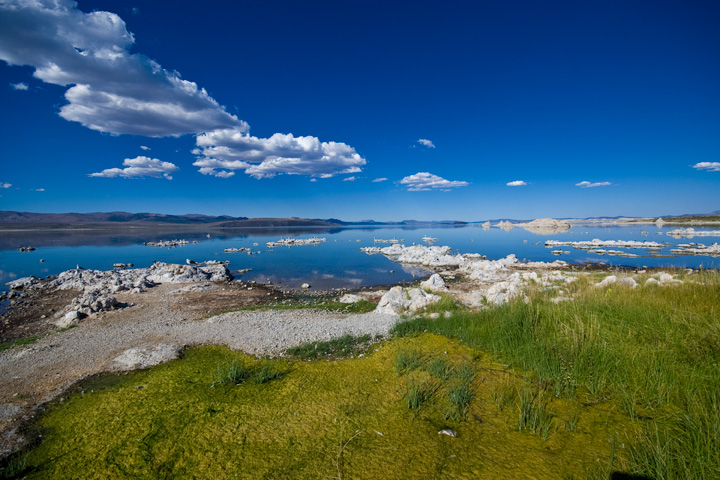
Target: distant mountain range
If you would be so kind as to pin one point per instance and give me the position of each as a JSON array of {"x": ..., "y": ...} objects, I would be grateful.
[{"x": 11, "y": 219}]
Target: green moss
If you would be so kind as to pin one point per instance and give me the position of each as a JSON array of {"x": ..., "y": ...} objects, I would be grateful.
[{"x": 337, "y": 419}]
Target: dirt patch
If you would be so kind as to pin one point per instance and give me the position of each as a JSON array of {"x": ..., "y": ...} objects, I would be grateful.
[
  {"x": 31, "y": 314},
  {"x": 198, "y": 303}
]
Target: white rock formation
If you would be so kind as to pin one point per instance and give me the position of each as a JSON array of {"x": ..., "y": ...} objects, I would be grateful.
[
  {"x": 399, "y": 300},
  {"x": 435, "y": 283},
  {"x": 546, "y": 226},
  {"x": 350, "y": 298}
]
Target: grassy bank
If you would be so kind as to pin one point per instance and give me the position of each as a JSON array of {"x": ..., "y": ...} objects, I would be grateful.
[
  {"x": 653, "y": 351},
  {"x": 617, "y": 380}
]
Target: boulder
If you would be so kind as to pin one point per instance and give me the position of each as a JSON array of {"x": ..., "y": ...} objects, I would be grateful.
[
  {"x": 70, "y": 318},
  {"x": 399, "y": 300},
  {"x": 350, "y": 298},
  {"x": 22, "y": 283},
  {"x": 609, "y": 280},
  {"x": 435, "y": 284},
  {"x": 628, "y": 282}
]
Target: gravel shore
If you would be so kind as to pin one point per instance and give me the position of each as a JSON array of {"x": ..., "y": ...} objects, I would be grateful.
[{"x": 154, "y": 330}]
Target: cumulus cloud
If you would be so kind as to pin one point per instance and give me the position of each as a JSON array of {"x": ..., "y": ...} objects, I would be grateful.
[
  {"x": 586, "y": 184},
  {"x": 139, "y": 167},
  {"x": 110, "y": 90},
  {"x": 19, "y": 86},
  {"x": 349, "y": 179},
  {"x": 381, "y": 179},
  {"x": 424, "y": 181},
  {"x": 516, "y": 183},
  {"x": 709, "y": 166},
  {"x": 223, "y": 151},
  {"x": 5, "y": 185},
  {"x": 426, "y": 142}
]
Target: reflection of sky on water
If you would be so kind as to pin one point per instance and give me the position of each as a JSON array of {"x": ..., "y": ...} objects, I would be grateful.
[{"x": 336, "y": 263}]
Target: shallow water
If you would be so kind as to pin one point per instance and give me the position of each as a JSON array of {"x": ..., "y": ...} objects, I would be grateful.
[{"x": 335, "y": 263}]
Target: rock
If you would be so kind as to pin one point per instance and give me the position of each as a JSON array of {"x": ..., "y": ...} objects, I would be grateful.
[
  {"x": 350, "y": 298},
  {"x": 70, "y": 318},
  {"x": 435, "y": 284},
  {"x": 399, "y": 300},
  {"x": 448, "y": 432},
  {"x": 546, "y": 226},
  {"x": 434, "y": 316},
  {"x": 505, "y": 225},
  {"x": 486, "y": 225},
  {"x": 143, "y": 357},
  {"x": 651, "y": 281},
  {"x": 628, "y": 282},
  {"x": 393, "y": 302},
  {"x": 22, "y": 283},
  {"x": 502, "y": 292},
  {"x": 609, "y": 280}
]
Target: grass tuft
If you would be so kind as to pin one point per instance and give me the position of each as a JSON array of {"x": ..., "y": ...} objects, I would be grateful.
[
  {"x": 258, "y": 373},
  {"x": 343, "y": 347},
  {"x": 408, "y": 360}
]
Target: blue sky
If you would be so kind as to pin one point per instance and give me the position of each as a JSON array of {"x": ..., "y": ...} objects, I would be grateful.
[{"x": 361, "y": 109}]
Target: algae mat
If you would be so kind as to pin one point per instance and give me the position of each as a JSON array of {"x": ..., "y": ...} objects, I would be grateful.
[{"x": 323, "y": 419}]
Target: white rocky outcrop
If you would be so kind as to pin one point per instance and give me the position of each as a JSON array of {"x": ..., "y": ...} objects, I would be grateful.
[
  {"x": 350, "y": 298},
  {"x": 546, "y": 226},
  {"x": 23, "y": 283},
  {"x": 697, "y": 249},
  {"x": 399, "y": 300},
  {"x": 596, "y": 243},
  {"x": 435, "y": 283},
  {"x": 98, "y": 287},
  {"x": 691, "y": 232}
]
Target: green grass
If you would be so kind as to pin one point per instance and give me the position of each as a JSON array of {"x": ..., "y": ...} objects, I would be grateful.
[
  {"x": 418, "y": 393},
  {"x": 19, "y": 342},
  {"x": 330, "y": 305},
  {"x": 257, "y": 372},
  {"x": 653, "y": 351},
  {"x": 353, "y": 418},
  {"x": 408, "y": 360},
  {"x": 343, "y": 347}
]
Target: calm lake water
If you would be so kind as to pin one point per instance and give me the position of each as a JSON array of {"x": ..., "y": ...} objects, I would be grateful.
[{"x": 338, "y": 262}]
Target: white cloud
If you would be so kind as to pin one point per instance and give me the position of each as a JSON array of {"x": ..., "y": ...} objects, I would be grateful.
[
  {"x": 144, "y": 147},
  {"x": 381, "y": 179},
  {"x": 709, "y": 166},
  {"x": 139, "y": 167},
  {"x": 223, "y": 151},
  {"x": 426, "y": 142},
  {"x": 313, "y": 179},
  {"x": 5, "y": 185},
  {"x": 424, "y": 181},
  {"x": 110, "y": 90},
  {"x": 19, "y": 86},
  {"x": 349, "y": 179},
  {"x": 39, "y": 189},
  {"x": 516, "y": 183},
  {"x": 586, "y": 184}
]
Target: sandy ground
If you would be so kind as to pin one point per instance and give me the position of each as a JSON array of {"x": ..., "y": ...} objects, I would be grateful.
[{"x": 163, "y": 320}]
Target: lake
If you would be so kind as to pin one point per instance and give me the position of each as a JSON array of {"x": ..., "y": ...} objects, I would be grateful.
[{"x": 335, "y": 263}]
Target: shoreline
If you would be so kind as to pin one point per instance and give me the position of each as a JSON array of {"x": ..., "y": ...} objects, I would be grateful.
[{"x": 158, "y": 312}]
